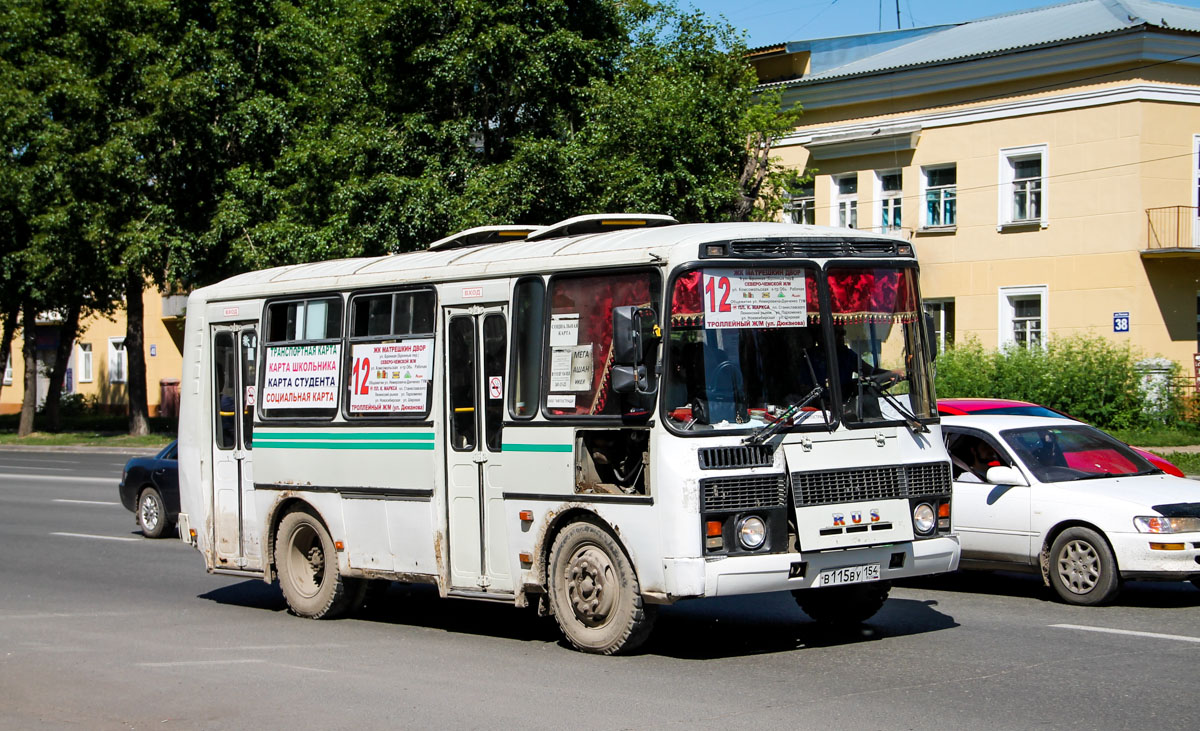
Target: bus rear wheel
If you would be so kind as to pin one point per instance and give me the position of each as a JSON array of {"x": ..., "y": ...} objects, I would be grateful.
[
  {"x": 843, "y": 606},
  {"x": 594, "y": 593},
  {"x": 306, "y": 561}
]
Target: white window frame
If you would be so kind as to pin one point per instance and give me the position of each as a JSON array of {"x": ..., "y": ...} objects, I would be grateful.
[
  {"x": 84, "y": 358},
  {"x": 845, "y": 205},
  {"x": 889, "y": 201},
  {"x": 117, "y": 354},
  {"x": 939, "y": 320},
  {"x": 802, "y": 206},
  {"x": 1007, "y": 308},
  {"x": 1005, "y": 207},
  {"x": 923, "y": 216}
]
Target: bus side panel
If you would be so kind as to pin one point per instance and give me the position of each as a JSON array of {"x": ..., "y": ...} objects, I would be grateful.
[{"x": 195, "y": 482}]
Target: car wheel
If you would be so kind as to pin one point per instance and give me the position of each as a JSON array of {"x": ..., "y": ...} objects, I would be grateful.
[
  {"x": 152, "y": 513},
  {"x": 594, "y": 594},
  {"x": 1196, "y": 583},
  {"x": 1082, "y": 568},
  {"x": 306, "y": 561},
  {"x": 843, "y": 606}
]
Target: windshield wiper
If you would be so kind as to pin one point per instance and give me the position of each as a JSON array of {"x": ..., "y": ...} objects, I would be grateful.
[
  {"x": 759, "y": 435},
  {"x": 877, "y": 383}
]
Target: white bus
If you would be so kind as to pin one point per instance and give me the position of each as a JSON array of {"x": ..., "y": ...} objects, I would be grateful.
[{"x": 600, "y": 416}]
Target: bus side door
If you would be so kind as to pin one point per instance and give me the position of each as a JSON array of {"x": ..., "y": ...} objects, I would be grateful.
[
  {"x": 476, "y": 351},
  {"x": 235, "y": 364}
]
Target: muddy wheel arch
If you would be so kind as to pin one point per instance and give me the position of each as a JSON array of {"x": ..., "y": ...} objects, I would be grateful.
[{"x": 284, "y": 504}]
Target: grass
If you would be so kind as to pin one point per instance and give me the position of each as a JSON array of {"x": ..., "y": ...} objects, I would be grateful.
[
  {"x": 85, "y": 439},
  {"x": 1181, "y": 436},
  {"x": 1189, "y": 462}
]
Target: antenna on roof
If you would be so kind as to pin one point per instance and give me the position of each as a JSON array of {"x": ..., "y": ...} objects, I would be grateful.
[{"x": 482, "y": 235}]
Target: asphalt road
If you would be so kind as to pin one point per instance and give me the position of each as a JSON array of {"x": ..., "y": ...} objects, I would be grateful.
[{"x": 101, "y": 628}]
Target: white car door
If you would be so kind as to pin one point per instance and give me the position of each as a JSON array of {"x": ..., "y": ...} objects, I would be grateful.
[{"x": 992, "y": 521}]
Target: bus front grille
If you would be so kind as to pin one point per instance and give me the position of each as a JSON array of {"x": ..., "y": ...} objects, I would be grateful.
[
  {"x": 726, "y": 458},
  {"x": 812, "y": 247},
  {"x": 872, "y": 483},
  {"x": 745, "y": 492}
]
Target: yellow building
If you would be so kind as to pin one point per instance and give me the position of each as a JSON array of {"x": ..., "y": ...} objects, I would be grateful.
[
  {"x": 99, "y": 364},
  {"x": 1045, "y": 163}
]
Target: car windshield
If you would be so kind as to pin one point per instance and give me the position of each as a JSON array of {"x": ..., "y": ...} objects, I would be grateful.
[
  {"x": 1077, "y": 452},
  {"x": 749, "y": 345},
  {"x": 168, "y": 452}
]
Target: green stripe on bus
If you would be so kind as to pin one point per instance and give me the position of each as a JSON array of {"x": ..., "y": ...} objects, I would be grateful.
[
  {"x": 538, "y": 447},
  {"x": 260, "y": 443},
  {"x": 335, "y": 436}
]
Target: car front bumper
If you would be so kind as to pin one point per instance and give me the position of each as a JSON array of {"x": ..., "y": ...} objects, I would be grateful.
[{"x": 1138, "y": 560}]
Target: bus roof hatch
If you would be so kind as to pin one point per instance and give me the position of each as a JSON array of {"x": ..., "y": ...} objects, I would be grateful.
[
  {"x": 599, "y": 223},
  {"x": 482, "y": 235}
]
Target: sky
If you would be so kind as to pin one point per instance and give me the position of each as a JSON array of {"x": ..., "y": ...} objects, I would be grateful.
[{"x": 767, "y": 22}]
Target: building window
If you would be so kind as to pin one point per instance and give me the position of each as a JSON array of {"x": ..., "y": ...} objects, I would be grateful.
[
  {"x": 802, "y": 205},
  {"x": 942, "y": 313},
  {"x": 940, "y": 194},
  {"x": 846, "y": 201},
  {"x": 1023, "y": 314},
  {"x": 889, "y": 197},
  {"x": 118, "y": 360},
  {"x": 85, "y": 362},
  {"x": 8, "y": 375},
  {"x": 1023, "y": 185}
]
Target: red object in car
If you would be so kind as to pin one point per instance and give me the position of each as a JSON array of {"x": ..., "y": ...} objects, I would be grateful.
[{"x": 967, "y": 406}]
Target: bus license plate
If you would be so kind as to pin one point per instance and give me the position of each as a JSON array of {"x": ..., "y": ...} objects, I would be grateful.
[{"x": 849, "y": 575}]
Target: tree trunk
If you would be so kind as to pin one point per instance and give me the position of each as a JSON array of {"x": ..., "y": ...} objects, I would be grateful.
[
  {"x": 29, "y": 403},
  {"x": 10, "y": 327},
  {"x": 62, "y": 356},
  {"x": 135, "y": 352}
]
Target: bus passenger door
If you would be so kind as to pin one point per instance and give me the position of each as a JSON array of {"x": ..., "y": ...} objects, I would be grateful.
[
  {"x": 235, "y": 363},
  {"x": 476, "y": 352}
]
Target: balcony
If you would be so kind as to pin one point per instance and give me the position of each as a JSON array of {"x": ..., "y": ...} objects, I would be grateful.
[{"x": 1172, "y": 233}]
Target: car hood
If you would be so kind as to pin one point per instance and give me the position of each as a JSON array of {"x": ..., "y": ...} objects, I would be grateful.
[{"x": 1148, "y": 490}]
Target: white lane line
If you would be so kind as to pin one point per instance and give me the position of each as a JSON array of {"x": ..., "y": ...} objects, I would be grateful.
[
  {"x": 61, "y": 478},
  {"x": 185, "y": 663},
  {"x": 99, "y": 538},
  {"x": 83, "y": 502},
  {"x": 1108, "y": 630}
]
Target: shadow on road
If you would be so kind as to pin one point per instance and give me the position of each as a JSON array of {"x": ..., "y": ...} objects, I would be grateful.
[
  {"x": 697, "y": 629},
  {"x": 1149, "y": 594}
]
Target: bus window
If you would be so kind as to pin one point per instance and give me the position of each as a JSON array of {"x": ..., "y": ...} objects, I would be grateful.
[
  {"x": 460, "y": 350},
  {"x": 391, "y": 354},
  {"x": 581, "y": 338},
  {"x": 528, "y": 308},
  {"x": 224, "y": 362},
  {"x": 494, "y": 342},
  {"x": 249, "y": 384},
  {"x": 302, "y": 358}
]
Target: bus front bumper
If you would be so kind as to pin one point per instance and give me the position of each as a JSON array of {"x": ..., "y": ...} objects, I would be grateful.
[{"x": 732, "y": 575}]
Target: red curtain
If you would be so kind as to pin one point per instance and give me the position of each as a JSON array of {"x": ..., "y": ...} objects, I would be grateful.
[{"x": 872, "y": 295}]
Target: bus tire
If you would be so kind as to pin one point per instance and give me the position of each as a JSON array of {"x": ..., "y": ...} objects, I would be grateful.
[
  {"x": 843, "y": 606},
  {"x": 306, "y": 562},
  {"x": 594, "y": 593},
  {"x": 152, "y": 514}
]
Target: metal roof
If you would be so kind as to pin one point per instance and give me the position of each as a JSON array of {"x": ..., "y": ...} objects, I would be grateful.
[{"x": 875, "y": 52}]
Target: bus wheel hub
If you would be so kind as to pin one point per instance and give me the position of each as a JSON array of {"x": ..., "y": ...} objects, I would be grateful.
[{"x": 589, "y": 585}]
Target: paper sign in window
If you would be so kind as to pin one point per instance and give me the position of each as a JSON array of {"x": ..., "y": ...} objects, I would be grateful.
[
  {"x": 391, "y": 378},
  {"x": 571, "y": 368},
  {"x": 764, "y": 298},
  {"x": 301, "y": 377}
]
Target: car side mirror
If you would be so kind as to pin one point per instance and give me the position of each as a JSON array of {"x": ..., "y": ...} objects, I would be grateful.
[{"x": 1006, "y": 476}]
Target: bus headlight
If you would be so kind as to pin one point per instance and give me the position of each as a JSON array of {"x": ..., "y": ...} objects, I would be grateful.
[
  {"x": 752, "y": 532},
  {"x": 924, "y": 519}
]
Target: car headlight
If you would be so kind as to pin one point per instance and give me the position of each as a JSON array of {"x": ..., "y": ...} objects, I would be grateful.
[
  {"x": 1159, "y": 524},
  {"x": 924, "y": 519},
  {"x": 752, "y": 532}
]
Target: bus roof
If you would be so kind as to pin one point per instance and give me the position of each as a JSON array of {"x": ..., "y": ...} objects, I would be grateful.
[{"x": 628, "y": 247}]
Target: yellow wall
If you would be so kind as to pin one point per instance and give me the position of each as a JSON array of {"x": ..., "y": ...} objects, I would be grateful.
[{"x": 167, "y": 362}]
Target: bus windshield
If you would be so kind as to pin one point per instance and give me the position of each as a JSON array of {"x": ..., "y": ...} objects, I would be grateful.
[{"x": 750, "y": 345}]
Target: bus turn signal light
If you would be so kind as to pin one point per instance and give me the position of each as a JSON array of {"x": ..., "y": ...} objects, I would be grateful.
[
  {"x": 526, "y": 515},
  {"x": 713, "y": 528},
  {"x": 944, "y": 510}
]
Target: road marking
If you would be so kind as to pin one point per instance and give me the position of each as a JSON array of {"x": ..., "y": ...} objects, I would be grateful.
[
  {"x": 99, "y": 538},
  {"x": 185, "y": 663},
  {"x": 83, "y": 502},
  {"x": 60, "y": 478},
  {"x": 1108, "y": 630}
]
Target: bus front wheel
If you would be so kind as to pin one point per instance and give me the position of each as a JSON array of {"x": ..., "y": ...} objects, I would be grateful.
[
  {"x": 594, "y": 593},
  {"x": 306, "y": 561}
]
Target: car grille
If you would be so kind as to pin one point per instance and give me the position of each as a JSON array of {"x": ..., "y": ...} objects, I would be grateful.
[
  {"x": 745, "y": 492},
  {"x": 872, "y": 483},
  {"x": 725, "y": 458}
]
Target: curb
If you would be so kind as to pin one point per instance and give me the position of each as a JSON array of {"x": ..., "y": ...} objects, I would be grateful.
[{"x": 81, "y": 449}]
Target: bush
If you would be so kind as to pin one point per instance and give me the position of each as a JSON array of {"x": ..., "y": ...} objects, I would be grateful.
[{"x": 1091, "y": 378}]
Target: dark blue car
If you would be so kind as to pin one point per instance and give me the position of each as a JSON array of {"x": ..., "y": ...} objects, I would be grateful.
[{"x": 150, "y": 488}]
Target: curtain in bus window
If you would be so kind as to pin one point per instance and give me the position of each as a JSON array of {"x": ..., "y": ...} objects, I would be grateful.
[
  {"x": 581, "y": 338},
  {"x": 872, "y": 295},
  {"x": 687, "y": 305}
]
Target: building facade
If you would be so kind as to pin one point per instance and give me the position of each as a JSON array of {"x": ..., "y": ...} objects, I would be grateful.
[{"x": 1045, "y": 163}]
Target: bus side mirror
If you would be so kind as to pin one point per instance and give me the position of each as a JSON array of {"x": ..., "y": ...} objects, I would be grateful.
[
  {"x": 932, "y": 341},
  {"x": 629, "y": 379},
  {"x": 635, "y": 332}
]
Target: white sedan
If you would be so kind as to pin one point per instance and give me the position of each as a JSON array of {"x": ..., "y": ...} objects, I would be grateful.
[{"x": 1066, "y": 499}]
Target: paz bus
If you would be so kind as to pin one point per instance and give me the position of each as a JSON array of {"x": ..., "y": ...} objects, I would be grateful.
[{"x": 597, "y": 417}]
